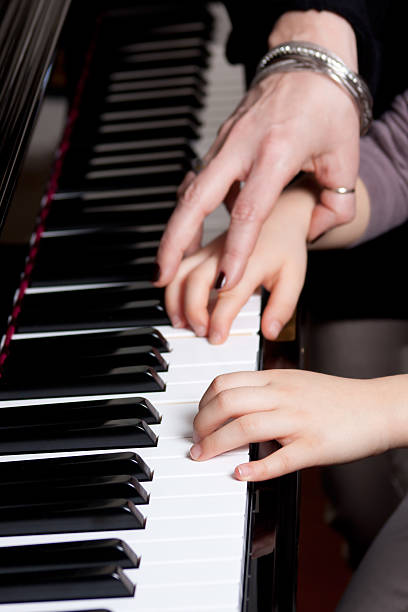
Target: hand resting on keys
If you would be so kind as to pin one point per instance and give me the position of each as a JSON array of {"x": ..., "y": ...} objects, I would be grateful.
[
  {"x": 317, "y": 419},
  {"x": 278, "y": 262},
  {"x": 284, "y": 124},
  {"x": 320, "y": 419}
]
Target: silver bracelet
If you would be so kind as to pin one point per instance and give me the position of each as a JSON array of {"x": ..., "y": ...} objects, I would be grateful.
[{"x": 298, "y": 55}]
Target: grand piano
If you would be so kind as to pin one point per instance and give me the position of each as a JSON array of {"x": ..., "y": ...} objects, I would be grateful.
[{"x": 100, "y": 506}]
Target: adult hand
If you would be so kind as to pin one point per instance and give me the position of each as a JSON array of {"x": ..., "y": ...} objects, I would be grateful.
[
  {"x": 317, "y": 419},
  {"x": 286, "y": 123}
]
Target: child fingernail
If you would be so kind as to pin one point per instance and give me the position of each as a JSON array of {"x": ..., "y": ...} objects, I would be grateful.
[
  {"x": 274, "y": 329},
  {"x": 196, "y": 437},
  {"x": 195, "y": 451},
  {"x": 200, "y": 331},
  {"x": 221, "y": 280},
  {"x": 176, "y": 321},
  {"x": 243, "y": 472},
  {"x": 215, "y": 338}
]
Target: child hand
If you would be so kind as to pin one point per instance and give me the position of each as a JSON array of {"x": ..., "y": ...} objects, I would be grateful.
[
  {"x": 317, "y": 419},
  {"x": 278, "y": 263}
]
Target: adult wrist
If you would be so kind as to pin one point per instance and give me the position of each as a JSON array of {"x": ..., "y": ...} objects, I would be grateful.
[{"x": 323, "y": 28}]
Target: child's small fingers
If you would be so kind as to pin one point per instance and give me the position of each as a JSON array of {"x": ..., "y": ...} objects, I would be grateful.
[
  {"x": 227, "y": 306},
  {"x": 173, "y": 299},
  {"x": 282, "y": 301},
  {"x": 174, "y": 292},
  {"x": 286, "y": 460},
  {"x": 197, "y": 288}
]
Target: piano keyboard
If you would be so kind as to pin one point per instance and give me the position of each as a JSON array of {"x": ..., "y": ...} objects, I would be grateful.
[{"x": 101, "y": 507}]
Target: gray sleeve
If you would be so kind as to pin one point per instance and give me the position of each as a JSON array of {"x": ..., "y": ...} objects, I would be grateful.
[{"x": 384, "y": 169}]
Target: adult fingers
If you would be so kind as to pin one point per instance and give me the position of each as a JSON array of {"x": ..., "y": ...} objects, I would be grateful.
[
  {"x": 200, "y": 198},
  {"x": 268, "y": 176},
  {"x": 229, "y": 404},
  {"x": 290, "y": 458},
  {"x": 334, "y": 171},
  {"x": 282, "y": 300},
  {"x": 195, "y": 244}
]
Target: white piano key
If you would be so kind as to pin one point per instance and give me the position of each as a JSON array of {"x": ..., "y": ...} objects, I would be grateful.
[
  {"x": 235, "y": 350},
  {"x": 210, "y": 505},
  {"x": 186, "y": 573},
  {"x": 169, "y": 530},
  {"x": 196, "y": 373}
]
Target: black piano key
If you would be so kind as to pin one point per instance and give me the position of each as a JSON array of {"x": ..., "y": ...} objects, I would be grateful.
[
  {"x": 62, "y": 366},
  {"x": 67, "y": 555},
  {"x": 59, "y": 220},
  {"x": 77, "y": 465},
  {"x": 80, "y": 162},
  {"x": 79, "y": 426},
  {"x": 98, "y": 343},
  {"x": 90, "y": 275},
  {"x": 114, "y": 255},
  {"x": 113, "y": 235},
  {"x": 93, "y": 309},
  {"x": 137, "y": 379},
  {"x": 123, "y": 177},
  {"x": 79, "y": 435},
  {"x": 35, "y": 321},
  {"x": 62, "y": 427},
  {"x": 70, "y": 516},
  {"x": 50, "y": 491},
  {"x": 84, "y": 583},
  {"x": 141, "y": 196},
  {"x": 134, "y": 130},
  {"x": 146, "y": 99}
]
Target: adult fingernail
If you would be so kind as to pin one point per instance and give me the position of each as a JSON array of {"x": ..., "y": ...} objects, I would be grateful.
[
  {"x": 243, "y": 472},
  {"x": 200, "y": 331},
  {"x": 195, "y": 451},
  {"x": 221, "y": 280},
  {"x": 155, "y": 273},
  {"x": 274, "y": 329}
]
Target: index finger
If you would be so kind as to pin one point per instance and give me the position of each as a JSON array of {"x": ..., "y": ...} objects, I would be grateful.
[
  {"x": 268, "y": 177},
  {"x": 201, "y": 197}
]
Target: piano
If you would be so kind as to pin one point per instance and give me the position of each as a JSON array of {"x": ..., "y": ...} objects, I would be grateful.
[{"x": 101, "y": 508}]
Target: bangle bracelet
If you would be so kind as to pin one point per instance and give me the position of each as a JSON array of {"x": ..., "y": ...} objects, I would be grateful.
[{"x": 298, "y": 55}]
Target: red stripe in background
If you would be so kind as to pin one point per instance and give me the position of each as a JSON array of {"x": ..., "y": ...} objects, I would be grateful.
[{"x": 47, "y": 200}]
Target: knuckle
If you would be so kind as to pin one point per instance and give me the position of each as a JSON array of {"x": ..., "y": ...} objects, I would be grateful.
[
  {"x": 248, "y": 426},
  {"x": 192, "y": 195},
  {"x": 261, "y": 469},
  {"x": 223, "y": 402},
  {"x": 284, "y": 463},
  {"x": 218, "y": 384},
  {"x": 244, "y": 211}
]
